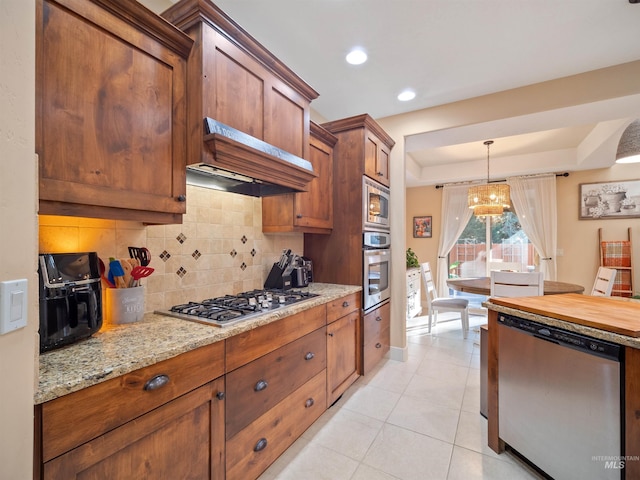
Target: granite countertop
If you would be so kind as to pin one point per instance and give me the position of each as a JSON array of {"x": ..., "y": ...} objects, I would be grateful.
[
  {"x": 119, "y": 349},
  {"x": 551, "y": 318}
]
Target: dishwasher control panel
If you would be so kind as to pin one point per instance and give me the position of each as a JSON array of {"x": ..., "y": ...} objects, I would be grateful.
[{"x": 562, "y": 337}]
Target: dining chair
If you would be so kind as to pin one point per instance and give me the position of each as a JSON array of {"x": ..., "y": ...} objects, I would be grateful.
[
  {"x": 517, "y": 284},
  {"x": 437, "y": 304},
  {"x": 603, "y": 285}
]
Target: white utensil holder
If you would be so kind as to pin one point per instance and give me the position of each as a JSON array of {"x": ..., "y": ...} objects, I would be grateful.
[{"x": 124, "y": 305}]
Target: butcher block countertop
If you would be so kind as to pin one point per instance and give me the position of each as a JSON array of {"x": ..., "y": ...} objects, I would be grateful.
[
  {"x": 119, "y": 349},
  {"x": 614, "y": 319}
]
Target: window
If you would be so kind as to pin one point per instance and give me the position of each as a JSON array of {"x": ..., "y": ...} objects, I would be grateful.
[{"x": 496, "y": 244}]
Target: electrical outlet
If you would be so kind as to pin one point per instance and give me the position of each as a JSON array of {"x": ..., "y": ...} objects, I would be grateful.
[{"x": 13, "y": 305}]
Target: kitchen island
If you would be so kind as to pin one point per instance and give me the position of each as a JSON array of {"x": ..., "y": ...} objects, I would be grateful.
[
  {"x": 607, "y": 319},
  {"x": 173, "y": 398}
]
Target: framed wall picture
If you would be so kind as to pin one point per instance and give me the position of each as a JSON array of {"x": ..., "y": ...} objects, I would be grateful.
[
  {"x": 422, "y": 227},
  {"x": 609, "y": 200}
]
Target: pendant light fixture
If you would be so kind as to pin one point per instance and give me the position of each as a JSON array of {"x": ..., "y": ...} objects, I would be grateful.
[
  {"x": 629, "y": 145},
  {"x": 489, "y": 199}
]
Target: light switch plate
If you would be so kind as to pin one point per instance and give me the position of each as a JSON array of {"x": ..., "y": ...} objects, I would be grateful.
[{"x": 13, "y": 305}]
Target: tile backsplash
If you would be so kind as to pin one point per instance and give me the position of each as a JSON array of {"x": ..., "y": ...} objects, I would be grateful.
[{"x": 218, "y": 249}]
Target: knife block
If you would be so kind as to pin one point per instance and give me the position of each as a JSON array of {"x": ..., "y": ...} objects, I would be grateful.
[{"x": 278, "y": 279}]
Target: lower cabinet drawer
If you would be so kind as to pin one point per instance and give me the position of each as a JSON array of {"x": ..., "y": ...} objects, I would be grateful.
[
  {"x": 374, "y": 351},
  {"x": 376, "y": 336},
  {"x": 256, "y": 447},
  {"x": 258, "y": 386},
  {"x": 76, "y": 418}
]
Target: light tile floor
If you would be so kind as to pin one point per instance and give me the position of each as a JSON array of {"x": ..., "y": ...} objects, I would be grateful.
[{"x": 407, "y": 420}]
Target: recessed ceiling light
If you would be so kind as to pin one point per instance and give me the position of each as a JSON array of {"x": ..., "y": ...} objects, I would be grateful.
[
  {"x": 356, "y": 56},
  {"x": 407, "y": 95}
]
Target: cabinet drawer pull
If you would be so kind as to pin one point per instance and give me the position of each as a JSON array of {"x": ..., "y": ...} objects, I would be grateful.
[
  {"x": 156, "y": 382},
  {"x": 330, "y": 334},
  {"x": 261, "y": 385},
  {"x": 378, "y": 319},
  {"x": 220, "y": 395},
  {"x": 309, "y": 403},
  {"x": 345, "y": 304},
  {"x": 181, "y": 198},
  {"x": 298, "y": 216},
  {"x": 378, "y": 345},
  {"x": 309, "y": 356},
  {"x": 261, "y": 445}
]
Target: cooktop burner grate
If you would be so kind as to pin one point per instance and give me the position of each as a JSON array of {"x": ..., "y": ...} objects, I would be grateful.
[{"x": 231, "y": 309}]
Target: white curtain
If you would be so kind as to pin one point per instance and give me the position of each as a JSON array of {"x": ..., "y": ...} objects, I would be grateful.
[
  {"x": 455, "y": 216},
  {"x": 534, "y": 200}
]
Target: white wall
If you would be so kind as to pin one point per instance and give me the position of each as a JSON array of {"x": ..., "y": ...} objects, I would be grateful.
[{"x": 18, "y": 232}]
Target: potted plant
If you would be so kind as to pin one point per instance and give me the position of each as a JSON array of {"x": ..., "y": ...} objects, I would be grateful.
[{"x": 412, "y": 259}]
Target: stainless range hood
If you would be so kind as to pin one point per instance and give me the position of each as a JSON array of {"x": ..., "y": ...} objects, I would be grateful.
[{"x": 244, "y": 164}]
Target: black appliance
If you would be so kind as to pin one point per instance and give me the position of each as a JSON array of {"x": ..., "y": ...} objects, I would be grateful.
[
  {"x": 231, "y": 309},
  {"x": 70, "y": 298}
]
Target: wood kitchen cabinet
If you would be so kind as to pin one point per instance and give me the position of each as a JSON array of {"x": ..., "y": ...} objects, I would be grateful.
[
  {"x": 236, "y": 81},
  {"x": 131, "y": 427},
  {"x": 111, "y": 109},
  {"x": 376, "y": 157},
  {"x": 311, "y": 211},
  {"x": 276, "y": 388},
  {"x": 343, "y": 345},
  {"x": 376, "y": 340}
]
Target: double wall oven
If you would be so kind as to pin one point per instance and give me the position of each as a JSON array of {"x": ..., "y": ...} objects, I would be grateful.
[{"x": 376, "y": 245}]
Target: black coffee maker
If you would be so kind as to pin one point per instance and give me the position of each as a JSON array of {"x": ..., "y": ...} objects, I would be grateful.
[{"x": 70, "y": 298}]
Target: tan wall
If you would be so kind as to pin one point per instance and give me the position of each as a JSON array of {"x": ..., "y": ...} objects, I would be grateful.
[
  {"x": 18, "y": 233},
  {"x": 219, "y": 248},
  {"x": 577, "y": 239}
]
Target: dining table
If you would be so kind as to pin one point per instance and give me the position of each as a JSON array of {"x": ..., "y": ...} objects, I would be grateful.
[{"x": 482, "y": 286}]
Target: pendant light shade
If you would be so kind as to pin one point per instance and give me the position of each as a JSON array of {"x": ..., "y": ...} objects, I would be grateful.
[
  {"x": 489, "y": 199},
  {"x": 629, "y": 145}
]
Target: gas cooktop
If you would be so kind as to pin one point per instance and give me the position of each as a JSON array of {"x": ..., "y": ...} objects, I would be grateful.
[{"x": 232, "y": 309}]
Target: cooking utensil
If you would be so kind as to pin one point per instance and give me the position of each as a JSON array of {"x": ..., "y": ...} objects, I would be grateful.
[
  {"x": 103, "y": 269},
  {"x": 142, "y": 254},
  {"x": 140, "y": 272},
  {"x": 127, "y": 267},
  {"x": 116, "y": 271}
]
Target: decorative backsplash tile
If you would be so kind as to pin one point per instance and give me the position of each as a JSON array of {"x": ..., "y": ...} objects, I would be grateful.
[{"x": 218, "y": 249}]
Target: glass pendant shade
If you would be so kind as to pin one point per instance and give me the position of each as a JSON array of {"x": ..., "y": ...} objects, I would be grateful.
[
  {"x": 489, "y": 199},
  {"x": 629, "y": 145}
]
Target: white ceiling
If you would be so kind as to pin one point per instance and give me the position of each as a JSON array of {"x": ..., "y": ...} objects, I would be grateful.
[{"x": 452, "y": 50}]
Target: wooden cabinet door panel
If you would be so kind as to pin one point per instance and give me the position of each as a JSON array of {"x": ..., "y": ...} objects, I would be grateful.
[
  {"x": 111, "y": 113},
  {"x": 376, "y": 159},
  {"x": 234, "y": 87},
  {"x": 173, "y": 441},
  {"x": 287, "y": 119},
  {"x": 276, "y": 430},
  {"x": 258, "y": 386},
  {"x": 314, "y": 208},
  {"x": 342, "y": 355}
]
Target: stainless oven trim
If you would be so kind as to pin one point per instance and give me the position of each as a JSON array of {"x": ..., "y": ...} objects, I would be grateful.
[
  {"x": 371, "y": 185},
  {"x": 372, "y": 301}
]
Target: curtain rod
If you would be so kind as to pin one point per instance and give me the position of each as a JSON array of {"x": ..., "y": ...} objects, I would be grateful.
[{"x": 565, "y": 174}]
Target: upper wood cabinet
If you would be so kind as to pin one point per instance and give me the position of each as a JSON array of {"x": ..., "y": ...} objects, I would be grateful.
[
  {"x": 311, "y": 211},
  {"x": 235, "y": 80},
  {"x": 369, "y": 153},
  {"x": 110, "y": 111},
  {"x": 376, "y": 158}
]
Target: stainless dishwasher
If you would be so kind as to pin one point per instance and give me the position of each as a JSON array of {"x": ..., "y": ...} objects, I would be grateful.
[{"x": 560, "y": 399}]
